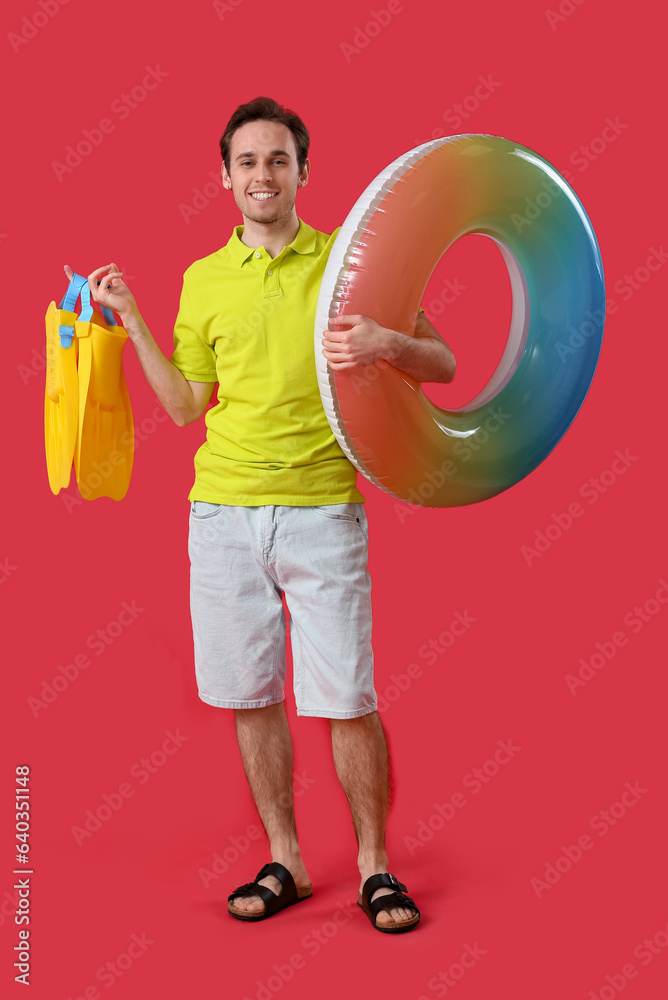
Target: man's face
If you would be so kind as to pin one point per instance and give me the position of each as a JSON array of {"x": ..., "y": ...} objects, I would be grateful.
[{"x": 264, "y": 175}]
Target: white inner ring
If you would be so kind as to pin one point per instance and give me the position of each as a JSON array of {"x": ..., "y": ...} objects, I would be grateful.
[{"x": 517, "y": 334}]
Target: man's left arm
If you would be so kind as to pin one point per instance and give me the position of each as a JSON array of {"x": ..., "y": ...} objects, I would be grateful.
[{"x": 425, "y": 356}]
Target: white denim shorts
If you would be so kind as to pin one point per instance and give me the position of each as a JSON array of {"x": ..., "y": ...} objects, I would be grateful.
[{"x": 242, "y": 559}]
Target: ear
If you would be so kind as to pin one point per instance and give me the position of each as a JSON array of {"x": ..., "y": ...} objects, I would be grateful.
[
  {"x": 227, "y": 182},
  {"x": 303, "y": 177}
]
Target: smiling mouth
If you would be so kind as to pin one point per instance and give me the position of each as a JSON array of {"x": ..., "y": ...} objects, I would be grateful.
[{"x": 263, "y": 195}]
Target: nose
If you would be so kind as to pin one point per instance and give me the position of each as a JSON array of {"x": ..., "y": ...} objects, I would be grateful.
[{"x": 264, "y": 172}]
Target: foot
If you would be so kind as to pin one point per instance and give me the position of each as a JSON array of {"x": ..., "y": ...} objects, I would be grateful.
[
  {"x": 255, "y": 905},
  {"x": 398, "y": 914}
]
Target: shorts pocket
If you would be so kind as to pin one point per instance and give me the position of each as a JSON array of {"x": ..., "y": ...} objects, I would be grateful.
[
  {"x": 201, "y": 509},
  {"x": 340, "y": 511}
]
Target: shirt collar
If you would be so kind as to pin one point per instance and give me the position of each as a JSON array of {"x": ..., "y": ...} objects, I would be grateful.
[{"x": 303, "y": 243}]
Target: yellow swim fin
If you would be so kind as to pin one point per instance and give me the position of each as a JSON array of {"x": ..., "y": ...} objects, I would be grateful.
[
  {"x": 60, "y": 397},
  {"x": 105, "y": 440}
]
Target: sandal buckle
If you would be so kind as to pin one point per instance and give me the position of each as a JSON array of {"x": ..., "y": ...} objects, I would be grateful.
[{"x": 399, "y": 886}]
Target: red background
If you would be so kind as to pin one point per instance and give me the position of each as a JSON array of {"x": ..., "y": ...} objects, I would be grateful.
[{"x": 69, "y": 568}]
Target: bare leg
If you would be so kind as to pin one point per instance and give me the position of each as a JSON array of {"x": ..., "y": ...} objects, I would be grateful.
[
  {"x": 362, "y": 764},
  {"x": 266, "y": 751}
]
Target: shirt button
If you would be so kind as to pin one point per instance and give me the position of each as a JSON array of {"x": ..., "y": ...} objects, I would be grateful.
[
  {"x": 270, "y": 273},
  {"x": 257, "y": 253}
]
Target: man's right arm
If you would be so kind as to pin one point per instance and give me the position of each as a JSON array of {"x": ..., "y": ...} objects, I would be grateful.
[{"x": 183, "y": 401}]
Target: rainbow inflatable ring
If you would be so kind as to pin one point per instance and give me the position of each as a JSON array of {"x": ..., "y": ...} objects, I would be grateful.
[{"x": 379, "y": 267}]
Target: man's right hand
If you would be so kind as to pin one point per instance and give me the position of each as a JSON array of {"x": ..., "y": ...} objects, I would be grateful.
[
  {"x": 184, "y": 401},
  {"x": 108, "y": 288}
]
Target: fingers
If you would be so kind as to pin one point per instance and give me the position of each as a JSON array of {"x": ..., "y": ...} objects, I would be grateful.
[
  {"x": 333, "y": 347},
  {"x": 99, "y": 287},
  {"x": 352, "y": 320},
  {"x": 111, "y": 268},
  {"x": 336, "y": 338},
  {"x": 95, "y": 277},
  {"x": 337, "y": 359}
]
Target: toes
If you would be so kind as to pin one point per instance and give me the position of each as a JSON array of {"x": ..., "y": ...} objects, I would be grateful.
[
  {"x": 251, "y": 904},
  {"x": 254, "y": 904},
  {"x": 395, "y": 915}
]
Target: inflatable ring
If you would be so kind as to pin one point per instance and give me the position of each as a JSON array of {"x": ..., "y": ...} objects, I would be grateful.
[{"x": 379, "y": 266}]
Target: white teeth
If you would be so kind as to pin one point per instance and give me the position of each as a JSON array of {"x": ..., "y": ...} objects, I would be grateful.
[{"x": 263, "y": 195}]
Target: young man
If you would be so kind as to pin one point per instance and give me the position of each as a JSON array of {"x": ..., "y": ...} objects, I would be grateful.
[{"x": 275, "y": 508}]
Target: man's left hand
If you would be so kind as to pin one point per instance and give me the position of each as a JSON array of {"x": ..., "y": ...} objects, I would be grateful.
[{"x": 350, "y": 341}]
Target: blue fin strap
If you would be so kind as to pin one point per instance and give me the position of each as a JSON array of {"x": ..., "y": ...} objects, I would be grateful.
[
  {"x": 87, "y": 308},
  {"x": 106, "y": 312},
  {"x": 108, "y": 315},
  {"x": 68, "y": 303}
]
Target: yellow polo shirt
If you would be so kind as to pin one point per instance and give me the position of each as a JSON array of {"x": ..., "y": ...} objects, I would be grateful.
[{"x": 246, "y": 321}]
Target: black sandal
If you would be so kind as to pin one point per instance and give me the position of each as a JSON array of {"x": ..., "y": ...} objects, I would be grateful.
[
  {"x": 273, "y": 903},
  {"x": 387, "y": 902}
]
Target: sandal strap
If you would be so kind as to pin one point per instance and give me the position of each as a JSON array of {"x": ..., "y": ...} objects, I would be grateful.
[
  {"x": 272, "y": 901},
  {"x": 284, "y": 876},
  {"x": 247, "y": 889},
  {"x": 276, "y": 869},
  {"x": 381, "y": 879},
  {"x": 390, "y": 901}
]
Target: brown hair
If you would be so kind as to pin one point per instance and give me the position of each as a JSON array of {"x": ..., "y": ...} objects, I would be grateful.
[{"x": 266, "y": 109}]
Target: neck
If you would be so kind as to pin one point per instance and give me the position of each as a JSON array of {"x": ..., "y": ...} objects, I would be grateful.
[{"x": 273, "y": 236}]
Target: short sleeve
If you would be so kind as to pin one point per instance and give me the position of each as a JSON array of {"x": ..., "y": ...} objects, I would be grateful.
[{"x": 194, "y": 358}]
